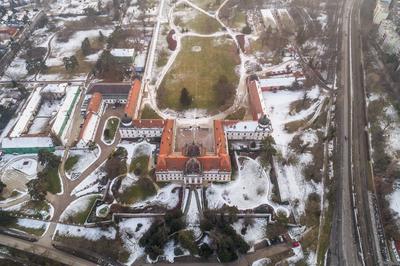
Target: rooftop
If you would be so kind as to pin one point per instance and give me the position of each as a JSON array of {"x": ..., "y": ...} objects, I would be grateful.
[
  {"x": 110, "y": 88},
  {"x": 27, "y": 142}
]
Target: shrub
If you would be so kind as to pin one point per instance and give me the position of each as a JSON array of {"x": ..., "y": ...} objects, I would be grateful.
[{"x": 186, "y": 239}]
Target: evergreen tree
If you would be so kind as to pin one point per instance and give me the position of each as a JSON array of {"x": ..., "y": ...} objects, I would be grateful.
[
  {"x": 185, "y": 99},
  {"x": 101, "y": 36},
  {"x": 86, "y": 47}
]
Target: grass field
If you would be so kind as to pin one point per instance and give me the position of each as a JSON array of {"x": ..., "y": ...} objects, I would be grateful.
[
  {"x": 111, "y": 129},
  {"x": 53, "y": 181},
  {"x": 201, "y": 23},
  {"x": 71, "y": 161},
  {"x": 142, "y": 189},
  {"x": 80, "y": 217},
  {"x": 198, "y": 72}
]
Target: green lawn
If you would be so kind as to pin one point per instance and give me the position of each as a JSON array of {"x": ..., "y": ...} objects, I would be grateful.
[
  {"x": 32, "y": 231},
  {"x": 142, "y": 189},
  {"x": 201, "y": 23},
  {"x": 34, "y": 209},
  {"x": 53, "y": 181},
  {"x": 148, "y": 113},
  {"x": 71, "y": 161},
  {"x": 199, "y": 72},
  {"x": 111, "y": 129},
  {"x": 80, "y": 217},
  {"x": 139, "y": 165}
]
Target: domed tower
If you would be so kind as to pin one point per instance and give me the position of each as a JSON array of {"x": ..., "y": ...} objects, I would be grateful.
[
  {"x": 264, "y": 123},
  {"x": 126, "y": 120},
  {"x": 193, "y": 167}
]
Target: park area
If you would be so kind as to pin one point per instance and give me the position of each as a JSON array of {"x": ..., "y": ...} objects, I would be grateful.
[
  {"x": 190, "y": 19},
  {"x": 205, "y": 67}
]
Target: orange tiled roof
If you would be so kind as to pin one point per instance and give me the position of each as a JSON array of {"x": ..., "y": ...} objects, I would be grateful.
[
  {"x": 167, "y": 137},
  {"x": 95, "y": 102},
  {"x": 148, "y": 123},
  {"x": 255, "y": 103},
  {"x": 176, "y": 162},
  {"x": 133, "y": 97},
  {"x": 85, "y": 123}
]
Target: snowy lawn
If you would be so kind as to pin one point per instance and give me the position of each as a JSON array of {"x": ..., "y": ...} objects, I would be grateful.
[
  {"x": 84, "y": 158},
  {"x": 84, "y": 232},
  {"x": 292, "y": 184},
  {"x": 167, "y": 196},
  {"x": 30, "y": 226},
  {"x": 90, "y": 184},
  {"x": 36, "y": 209},
  {"x": 27, "y": 166},
  {"x": 131, "y": 230},
  {"x": 254, "y": 231},
  {"x": 249, "y": 189},
  {"x": 78, "y": 210},
  {"x": 135, "y": 149}
]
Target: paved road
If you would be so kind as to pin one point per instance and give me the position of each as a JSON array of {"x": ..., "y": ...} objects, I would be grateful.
[
  {"x": 48, "y": 252},
  {"x": 351, "y": 238},
  {"x": 343, "y": 249},
  {"x": 61, "y": 202}
]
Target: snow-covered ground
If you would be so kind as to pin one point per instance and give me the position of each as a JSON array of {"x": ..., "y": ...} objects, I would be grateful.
[
  {"x": 254, "y": 233},
  {"x": 75, "y": 7},
  {"x": 135, "y": 149},
  {"x": 193, "y": 214},
  {"x": 90, "y": 183},
  {"x": 292, "y": 185},
  {"x": 393, "y": 131},
  {"x": 165, "y": 197},
  {"x": 394, "y": 201},
  {"x": 131, "y": 230},
  {"x": 21, "y": 208},
  {"x": 85, "y": 159},
  {"x": 16, "y": 70},
  {"x": 27, "y": 166},
  {"x": 33, "y": 224},
  {"x": 62, "y": 49},
  {"x": 261, "y": 262},
  {"x": 88, "y": 233},
  {"x": 249, "y": 189},
  {"x": 169, "y": 251}
]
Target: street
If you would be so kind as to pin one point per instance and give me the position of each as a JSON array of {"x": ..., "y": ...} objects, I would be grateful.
[{"x": 352, "y": 240}]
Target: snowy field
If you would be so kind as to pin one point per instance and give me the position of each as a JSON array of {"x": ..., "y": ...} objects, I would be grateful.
[
  {"x": 85, "y": 159},
  {"x": 88, "y": 233},
  {"x": 32, "y": 224},
  {"x": 255, "y": 232},
  {"x": 22, "y": 208},
  {"x": 165, "y": 197},
  {"x": 249, "y": 189},
  {"x": 131, "y": 230},
  {"x": 90, "y": 184},
  {"x": 292, "y": 185},
  {"x": 62, "y": 49},
  {"x": 135, "y": 149},
  {"x": 47, "y": 111},
  {"x": 27, "y": 166}
]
